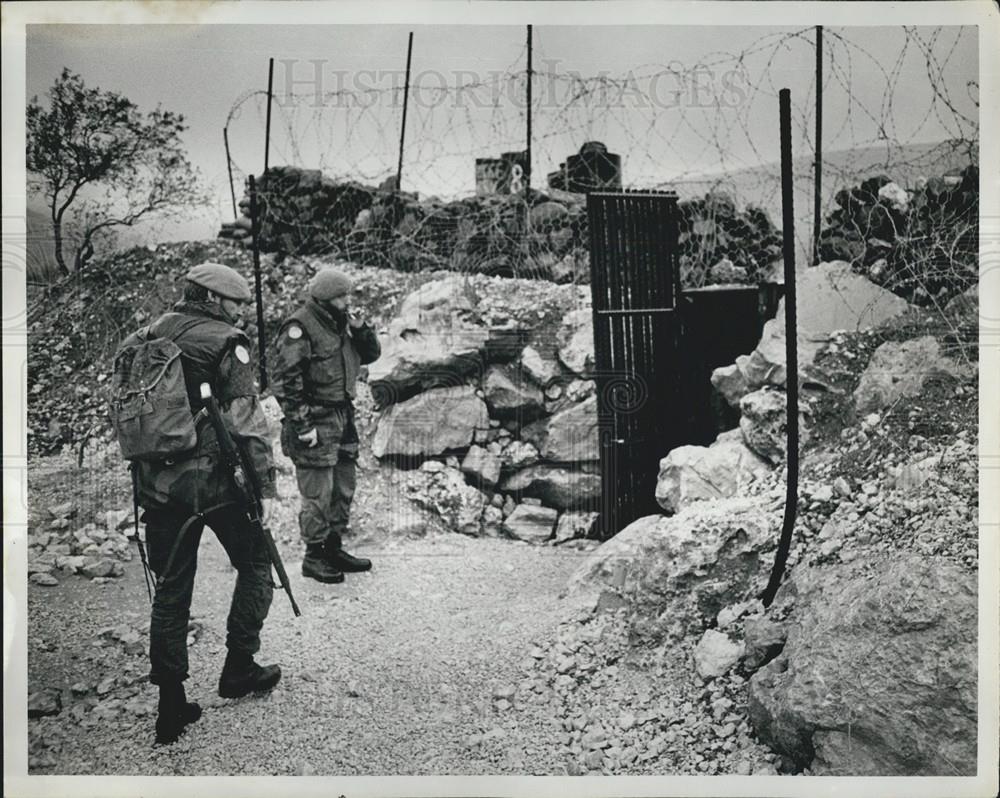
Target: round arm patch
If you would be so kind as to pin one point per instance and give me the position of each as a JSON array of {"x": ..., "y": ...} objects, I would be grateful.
[
  {"x": 294, "y": 332},
  {"x": 241, "y": 353}
]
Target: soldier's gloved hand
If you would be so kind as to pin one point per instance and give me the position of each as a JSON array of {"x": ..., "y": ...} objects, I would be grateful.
[{"x": 310, "y": 438}]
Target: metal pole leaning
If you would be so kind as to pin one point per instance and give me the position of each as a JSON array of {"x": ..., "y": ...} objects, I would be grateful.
[
  {"x": 791, "y": 352},
  {"x": 255, "y": 239},
  {"x": 255, "y": 227},
  {"x": 267, "y": 128},
  {"x": 229, "y": 167},
  {"x": 527, "y": 176},
  {"x": 818, "y": 180},
  {"x": 406, "y": 99}
]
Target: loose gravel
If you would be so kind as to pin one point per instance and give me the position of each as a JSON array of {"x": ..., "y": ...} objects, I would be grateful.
[{"x": 390, "y": 673}]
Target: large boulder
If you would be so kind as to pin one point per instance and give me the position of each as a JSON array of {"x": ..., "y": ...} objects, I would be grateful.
[
  {"x": 576, "y": 342},
  {"x": 446, "y": 494},
  {"x": 696, "y": 473},
  {"x": 878, "y": 676},
  {"x": 559, "y": 487},
  {"x": 763, "y": 422},
  {"x": 435, "y": 340},
  {"x": 509, "y": 395},
  {"x": 571, "y": 435},
  {"x": 830, "y": 297},
  {"x": 430, "y": 423},
  {"x": 676, "y": 572},
  {"x": 899, "y": 370}
]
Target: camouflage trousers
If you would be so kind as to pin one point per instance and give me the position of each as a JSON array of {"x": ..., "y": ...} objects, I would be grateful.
[
  {"x": 168, "y": 628},
  {"x": 326, "y": 473},
  {"x": 327, "y": 493}
]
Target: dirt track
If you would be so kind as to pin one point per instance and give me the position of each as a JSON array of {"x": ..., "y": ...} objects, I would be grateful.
[{"x": 389, "y": 673}]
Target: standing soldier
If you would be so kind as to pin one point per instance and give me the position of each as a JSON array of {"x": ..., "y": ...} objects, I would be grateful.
[
  {"x": 181, "y": 496},
  {"x": 320, "y": 349}
]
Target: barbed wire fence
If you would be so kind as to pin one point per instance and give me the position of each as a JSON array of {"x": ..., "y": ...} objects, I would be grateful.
[{"x": 705, "y": 130}]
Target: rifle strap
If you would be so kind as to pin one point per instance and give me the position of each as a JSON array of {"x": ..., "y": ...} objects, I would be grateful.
[
  {"x": 135, "y": 536},
  {"x": 180, "y": 536}
]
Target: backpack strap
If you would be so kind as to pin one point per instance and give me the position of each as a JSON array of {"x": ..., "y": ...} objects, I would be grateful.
[{"x": 190, "y": 325}]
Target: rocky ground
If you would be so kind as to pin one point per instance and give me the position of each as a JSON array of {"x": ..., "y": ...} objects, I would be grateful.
[
  {"x": 395, "y": 672},
  {"x": 489, "y": 655}
]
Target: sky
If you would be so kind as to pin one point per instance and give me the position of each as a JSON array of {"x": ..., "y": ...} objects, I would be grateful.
[{"x": 689, "y": 100}]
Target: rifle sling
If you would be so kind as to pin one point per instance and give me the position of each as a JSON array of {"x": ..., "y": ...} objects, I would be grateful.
[{"x": 161, "y": 578}]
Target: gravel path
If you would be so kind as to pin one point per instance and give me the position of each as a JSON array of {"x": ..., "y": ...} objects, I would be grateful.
[{"x": 390, "y": 673}]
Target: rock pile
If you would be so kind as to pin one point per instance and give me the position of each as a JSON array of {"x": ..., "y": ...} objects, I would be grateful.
[
  {"x": 95, "y": 550},
  {"x": 921, "y": 244},
  {"x": 640, "y": 711},
  {"x": 538, "y": 235},
  {"x": 866, "y": 663},
  {"x": 720, "y": 244},
  {"x": 301, "y": 211},
  {"x": 496, "y": 406}
]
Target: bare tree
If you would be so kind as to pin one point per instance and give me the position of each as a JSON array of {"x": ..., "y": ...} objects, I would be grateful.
[{"x": 94, "y": 152}]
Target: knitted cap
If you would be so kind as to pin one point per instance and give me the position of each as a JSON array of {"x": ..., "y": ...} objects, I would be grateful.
[
  {"x": 329, "y": 284},
  {"x": 221, "y": 280}
]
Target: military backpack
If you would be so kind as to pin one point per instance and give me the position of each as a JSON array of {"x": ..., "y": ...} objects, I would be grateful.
[{"x": 150, "y": 410}]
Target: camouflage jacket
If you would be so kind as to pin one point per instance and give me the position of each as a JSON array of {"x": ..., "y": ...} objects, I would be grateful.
[
  {"x": 217, "y": 352},
  {"x": 317, "y": 364}
]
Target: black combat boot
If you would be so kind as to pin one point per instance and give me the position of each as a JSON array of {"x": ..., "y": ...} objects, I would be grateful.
[
  {"x": 241, "y": 676},
  {"x": 342, "y": 561},
  {"x": 317, "y": 566},
  {"x": 174, "y": 713}
]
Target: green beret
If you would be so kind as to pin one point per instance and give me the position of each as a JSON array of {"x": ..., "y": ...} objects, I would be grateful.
[
  {"x": 221, "y": 280},
  {"x": 329, "y": 284}
]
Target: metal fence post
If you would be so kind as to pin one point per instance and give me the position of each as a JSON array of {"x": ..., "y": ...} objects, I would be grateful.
[
  {"x": 791, "y": 352},
  {"x": 406, "y": 99},
  {"x": 818, "y": 166},
  {"x": 229, "y": 168}
]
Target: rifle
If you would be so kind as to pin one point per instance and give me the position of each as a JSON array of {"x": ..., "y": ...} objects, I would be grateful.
[{"x": 245, "y": 483}]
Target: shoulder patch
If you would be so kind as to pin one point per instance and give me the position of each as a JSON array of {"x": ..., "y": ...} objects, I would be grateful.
[
  {"x": 294, "y": 332},
  {"x": 241, "y": 353}
]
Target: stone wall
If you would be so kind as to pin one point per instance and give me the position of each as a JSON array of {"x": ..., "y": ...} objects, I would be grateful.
[
  {"x": 489, "y": 403},
  {"x": 537, "y": 235},
  {"x": 922, "y": 244}
]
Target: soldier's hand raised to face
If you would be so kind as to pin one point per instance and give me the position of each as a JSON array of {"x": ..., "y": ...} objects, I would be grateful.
[{"x": 310, "y": 438}]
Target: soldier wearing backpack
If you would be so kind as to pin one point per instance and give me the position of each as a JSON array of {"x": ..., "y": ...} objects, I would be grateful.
[{"x": 186, "y": 490}]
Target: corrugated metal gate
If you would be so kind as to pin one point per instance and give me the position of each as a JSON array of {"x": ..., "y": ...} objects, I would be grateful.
[{"x": 635, "y": 286}]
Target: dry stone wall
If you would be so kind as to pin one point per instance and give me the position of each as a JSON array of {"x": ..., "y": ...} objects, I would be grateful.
[
  {"x": 503, "y": 438},
  {"x": 537, "y": 235}
]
